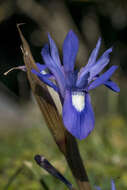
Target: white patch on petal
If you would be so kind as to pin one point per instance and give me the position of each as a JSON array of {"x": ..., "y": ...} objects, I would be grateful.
[
  {"x": 78, "y": 100},
  {"x": 44, "y": 72}
]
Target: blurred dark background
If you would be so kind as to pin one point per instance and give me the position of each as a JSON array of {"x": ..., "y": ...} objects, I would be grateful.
[{"x": 105, "y": 150}]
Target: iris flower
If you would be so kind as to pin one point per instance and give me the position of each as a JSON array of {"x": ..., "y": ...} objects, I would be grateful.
[
  {"x": 112, "y": 186},
  {"x": 72, "y": 86}
]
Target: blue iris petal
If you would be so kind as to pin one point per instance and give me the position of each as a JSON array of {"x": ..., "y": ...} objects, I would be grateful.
[
  {"x": 112, "y": 85},
  {"x": 41, "y": 67},
  {"x": 45, "y": 79},
  {"x": 97, "y": 188},
  {"x": 54, "y": 68},
  {"x": 84, "y": 82},
  {"x": 79, "y": 124},
  {"x": 100, "y": 64},
  {"x": 103, "y": 78},
  {"x": 46, "y": 56},
  {"x": 43, "y": 70},
  {"x": 113, "y": 185},
  {"x": 70, "y": 79},
  {"x": 70, "y": 49},
  {"x": 94, "y": 54},
  {"x": 91, "y": 62},
  {"x": 54, "y": 51}
]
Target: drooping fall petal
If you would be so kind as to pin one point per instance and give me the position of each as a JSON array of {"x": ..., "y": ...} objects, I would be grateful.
[{"x": 78, "y": 115}]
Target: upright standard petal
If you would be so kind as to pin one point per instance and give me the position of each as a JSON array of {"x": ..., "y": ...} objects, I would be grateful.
[
  {"x": 103, "y": 78},
  {"x": 54, "y": 51},
  {"x": 70, "y": 49},
  {"x": 78, "y": 116},
  {"x": 91, "y": 62},
  {"x": 54, "y": 68}
]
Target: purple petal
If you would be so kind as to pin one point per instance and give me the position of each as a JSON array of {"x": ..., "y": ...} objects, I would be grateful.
[
  {"x": 70, "y": 79},
  {"x": 112, "y": 85},
  {"x": 78, "y": 123},
  {"x": 54, "y": 68},
  {"x": 45, "y": 79},
  {"x": 54, "y": 51},
  {"x": 46, "y": 56},
  {"x": 98, "y": 188},
  {"x": 41, "y": 67},
  {"x": 83, "y": 82},
  {"x": 100, "y": 64},
  {"x": 44, "y": 70},
  {"x": 94, "y": 54},
  {"x": 70, "y": 49},
  {"x": 113, "y": 185},
  {"x": 103, "y": 78},
  {"x": 91, "y": 62}
]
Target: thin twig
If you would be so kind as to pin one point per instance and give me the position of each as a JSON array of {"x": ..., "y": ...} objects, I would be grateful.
[{"x": 13, "y": 177}]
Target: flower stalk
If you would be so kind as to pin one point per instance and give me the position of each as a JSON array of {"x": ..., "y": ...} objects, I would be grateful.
[{"x": 65, "y": 141}]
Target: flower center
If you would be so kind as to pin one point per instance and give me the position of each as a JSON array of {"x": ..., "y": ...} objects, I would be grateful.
[{"x": 78, "y": 100}]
